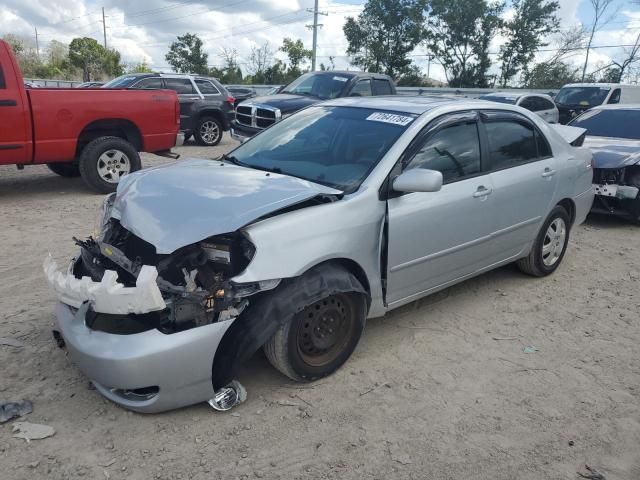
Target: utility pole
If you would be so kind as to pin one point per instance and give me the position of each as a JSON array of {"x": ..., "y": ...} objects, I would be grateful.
[
  {"x": 104, "y": 28},
  {"x": 37, "y": 44},
  {"x": 315, "y": 26}
]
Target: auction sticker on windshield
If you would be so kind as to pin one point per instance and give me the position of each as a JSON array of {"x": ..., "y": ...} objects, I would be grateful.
[{"x": 393, "y": 118}]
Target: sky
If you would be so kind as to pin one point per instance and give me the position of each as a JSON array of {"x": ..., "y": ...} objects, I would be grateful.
[{"x": 143, "y": 31}]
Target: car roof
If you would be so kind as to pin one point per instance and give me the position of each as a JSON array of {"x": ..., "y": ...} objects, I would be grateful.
[
  {"x": 515, "y": 94},
  {"x": 352, "y": 73},
  {"x": 618, "y": 106},
  {"x": 399, "y": 103},
  {"x": 594, "y": 85}
]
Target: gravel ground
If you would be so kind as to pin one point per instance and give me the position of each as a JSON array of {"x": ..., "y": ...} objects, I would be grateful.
[{"x": 440, "y": 389}]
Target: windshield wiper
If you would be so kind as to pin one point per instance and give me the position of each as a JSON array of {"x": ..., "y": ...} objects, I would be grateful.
[{"x": 231, "y": 159}]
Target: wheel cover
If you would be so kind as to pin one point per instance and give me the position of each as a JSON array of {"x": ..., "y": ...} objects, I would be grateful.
[
  {"x": 113, "y": 165},
  {"x": 324, "y": 329},
  {"x": 209, "y": 132},
  {"x": 553, "y": 243}
]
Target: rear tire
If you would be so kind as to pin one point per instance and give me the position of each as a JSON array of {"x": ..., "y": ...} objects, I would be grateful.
[
  {"x": 105, "y": 160},
  {"x": 550, "y": 246},
  {"x": 208, "y": 132},
  {"x": 68, "y": 170},
  {"x": 320, "y": 338}
]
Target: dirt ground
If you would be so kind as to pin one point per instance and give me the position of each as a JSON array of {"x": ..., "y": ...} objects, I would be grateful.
[{"x": 441, "y": 389}]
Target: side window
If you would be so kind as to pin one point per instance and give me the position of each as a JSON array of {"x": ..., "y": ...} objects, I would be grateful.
[
  {"x": 2, "y": 83},
  {"x": 381, "y": 87},
  {"x": 615, "y": 96},
  {"x": 511, "y": 143},
  {"x": 544, "y": 150},
  {"x": 207, "y": 88},
  {"x": 545, "y": 104},
  {"x": 361, "y": 89},
  {"x": 454, "y": 151},
  {"x": 530, "y": 104},
  {"x": 149, "y": 83},
  {"x": 180, "y": 85}
]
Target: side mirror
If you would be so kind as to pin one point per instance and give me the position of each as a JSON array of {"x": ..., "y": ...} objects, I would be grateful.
[{"x": 418, "y": 180}]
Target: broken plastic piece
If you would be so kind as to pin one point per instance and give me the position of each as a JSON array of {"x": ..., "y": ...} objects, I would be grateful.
[
  {"x": 9, "y": 410},
  {"x": 32, "y": 431},
  {"x": 228, "y": 397},
  {"x": 107, "y": 296}
]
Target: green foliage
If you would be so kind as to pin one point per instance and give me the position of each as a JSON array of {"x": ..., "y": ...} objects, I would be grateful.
[
  {"x": 296, "y": 53},
  {"x": 551, "y": 75},
  {"x": 384, "y": 34},
  {"x": 141, "y": 67},
  {"x": 459, "y": 34},
  {"x": 93, "y": 59},
  {"x": 186, "y": 55},
  {"x": 533, "y": 22}
]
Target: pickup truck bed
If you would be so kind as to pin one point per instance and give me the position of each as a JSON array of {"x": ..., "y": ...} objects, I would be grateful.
[{"x": 95, "y": 133}]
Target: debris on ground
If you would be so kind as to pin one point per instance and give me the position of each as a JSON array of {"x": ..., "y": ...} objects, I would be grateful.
[
  {"x": 11, "y": 342},
  {"x": 228, "y": 397},
  {"x": 593, "y": 474},
  {"x": 32, "y": 431},
  {"x": 10, "y": 410},
  {"x": 529, "y": 349}
]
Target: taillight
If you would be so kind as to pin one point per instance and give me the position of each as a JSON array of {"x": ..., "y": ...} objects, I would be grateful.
[
  {"x": 231, "y": 100},
  {"x": 177, "y": 108}
]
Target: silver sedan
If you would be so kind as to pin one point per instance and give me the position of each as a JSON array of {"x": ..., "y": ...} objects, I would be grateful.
[{"x": 339, "y": 213}]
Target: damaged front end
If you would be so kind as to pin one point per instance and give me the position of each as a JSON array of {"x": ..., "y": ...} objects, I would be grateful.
[
  {"x": 126, "y": 314},
  {"x": 617, "y": 191}
]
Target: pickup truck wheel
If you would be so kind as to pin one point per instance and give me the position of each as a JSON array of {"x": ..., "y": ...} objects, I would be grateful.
[
  {"x": 68, "y": 170},
  {"x": 550, "y": 245},
  {"x": 208, "y": 132},
  {"x": 105, "y": 160},
  {"x": 319, "y": 338}
]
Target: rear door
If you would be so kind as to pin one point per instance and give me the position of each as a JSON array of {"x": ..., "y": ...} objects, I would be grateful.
[
  {"x": 187, "y": 95},
  {"x": 523, "y": 173},
  {"x": 15, "y": 130},
  {"x": 438, "y": 237}
]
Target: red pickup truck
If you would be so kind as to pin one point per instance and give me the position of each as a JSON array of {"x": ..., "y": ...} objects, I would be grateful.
[{"x": 92, "y": 133}]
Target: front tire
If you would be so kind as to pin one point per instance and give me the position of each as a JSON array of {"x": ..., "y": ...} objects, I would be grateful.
[
  {"x": 105, "y": 160},
  {"x": 208, "y": 132},
  {"x": 550, "y": 245},
  {"x": 320, "y": 338},
  {"x": 67, "y": 170}
]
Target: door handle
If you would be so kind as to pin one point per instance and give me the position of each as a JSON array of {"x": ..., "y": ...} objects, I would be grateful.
[
  {"x": 548, "y": 172},
  {"x": 482, "y": 192},
  {"x": 8, "y": 103}
]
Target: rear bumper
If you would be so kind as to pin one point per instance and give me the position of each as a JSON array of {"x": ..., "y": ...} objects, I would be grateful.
[{"x": 177, "y": 367}]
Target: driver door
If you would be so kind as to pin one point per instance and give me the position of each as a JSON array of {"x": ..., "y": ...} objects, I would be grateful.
[{"x": 436, "y": 238}]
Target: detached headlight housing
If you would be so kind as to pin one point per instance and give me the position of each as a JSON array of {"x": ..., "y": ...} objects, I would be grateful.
[{"x": 241, "y": 290}]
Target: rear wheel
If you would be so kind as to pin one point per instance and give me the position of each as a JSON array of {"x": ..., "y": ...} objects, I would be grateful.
[
  {"x": 68, "y": 170},
  {"x": 208, "y": 132},
  {"x": 319, "y": 338},
  {"x": 550, "y": 245},
  {"x": 105, "y": 160}
]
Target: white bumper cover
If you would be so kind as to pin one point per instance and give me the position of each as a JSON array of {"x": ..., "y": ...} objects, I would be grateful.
[{"x": 106, "y": 296}]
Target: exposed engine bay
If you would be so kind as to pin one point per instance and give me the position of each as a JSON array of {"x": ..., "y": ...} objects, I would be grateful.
[{"x": 194, "y": 280}]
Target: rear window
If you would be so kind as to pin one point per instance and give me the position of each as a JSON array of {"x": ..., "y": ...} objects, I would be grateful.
[
  {"x": 125, "y": 81},
  {"x": 382, "y": 87},
  {"x": 180, "y": 85},
  {"x": 582, "y": 96},
  {"x": 207, "y": 88},
  {"x": 621, "y": 123}
]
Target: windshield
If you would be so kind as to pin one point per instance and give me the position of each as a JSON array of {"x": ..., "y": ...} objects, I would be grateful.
[
  {"x": 323, "y": 86},
  {"x": 499, "y": 99},
  {"x": 582, "y": 96},
  {"x": 610, "y": 123},
  {"x": 120, "y": 82},
  {"x": 333, "y": 146}
]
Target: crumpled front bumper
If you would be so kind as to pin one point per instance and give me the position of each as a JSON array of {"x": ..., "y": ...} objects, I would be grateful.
[{"x": 177, "y": 366}]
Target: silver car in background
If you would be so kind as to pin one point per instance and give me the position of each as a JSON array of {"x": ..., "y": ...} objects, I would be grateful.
[
  {"x": 339, "y": 213},
  {"x": 539, "y": 103}
]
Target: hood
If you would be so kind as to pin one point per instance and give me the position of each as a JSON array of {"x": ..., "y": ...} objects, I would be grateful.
[
  {"x": 183, "y": 203},
  {"x": 609, "y": 152},
  {"x": 285, "y": 102}
]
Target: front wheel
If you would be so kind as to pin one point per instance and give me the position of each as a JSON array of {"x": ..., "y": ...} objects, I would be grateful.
[
  {"x": 550, "y": 245},
  {"x": 105, "y": 160},
  {"x": 208, "y": 132},
  {"x": 319, "y": 338}
]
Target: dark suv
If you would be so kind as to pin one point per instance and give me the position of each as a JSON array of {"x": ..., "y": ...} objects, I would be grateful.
[
  {"x": 257, "y": 113},
  {"x": 206, "y": 108}
]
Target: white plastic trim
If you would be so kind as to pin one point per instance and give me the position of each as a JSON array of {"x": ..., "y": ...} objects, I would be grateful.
[{"x": 106, "y": 296}]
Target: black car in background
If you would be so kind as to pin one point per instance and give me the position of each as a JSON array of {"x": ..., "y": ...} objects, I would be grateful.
[
  {"x": 240, "y": 93},
  {"x": 206, "y": 107},
  {"x": 257, "y": 113}
]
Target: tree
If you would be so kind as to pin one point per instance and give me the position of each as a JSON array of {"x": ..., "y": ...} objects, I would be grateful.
[
  {"x": 459, "y": 33},
  {"x": 88, "y": 55},
  {"x": 600, "y": 8},
  {"x": 57, "y": 52},
  {"x": 384, "y": 34},
  {"x": 260, "y": 59},
  {"x": 632, "y": 56},
  {"x": 555, "y": 71},
  {"x": 186, "y": 55},
  {"x": 296, "y": 53},
  {"x": 531, "y": 25},
  {"x": 140, "y": 67}
]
